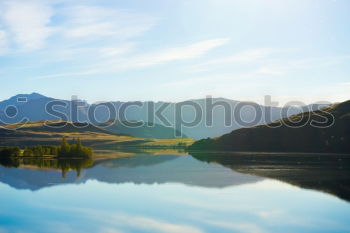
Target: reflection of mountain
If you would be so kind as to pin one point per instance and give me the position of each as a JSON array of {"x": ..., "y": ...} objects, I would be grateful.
[
  {"x": 138, "y": 161},
  {"x": 328, "y": 173},
  {"x": 138, "y": 169},
  {"x": 39, "y": 173}
]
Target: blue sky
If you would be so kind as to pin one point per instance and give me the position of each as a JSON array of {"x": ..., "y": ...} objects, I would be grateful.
[{"x": 173, "y": 50}]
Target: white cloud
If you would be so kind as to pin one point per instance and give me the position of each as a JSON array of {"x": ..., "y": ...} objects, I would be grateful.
[
  {"x": 3, "y": 42},
  {"x": 111, "y": 65},
  {"x": 270, "y": 61},
  {"x": 115, "y": 50},
  {"x": 243, "y": 57},
  {"x": 326, "y": 93},
  {"x": 187, "y": 52},
  {"x": 69, "y": 74},
  {"x": 283, "y": 66},
  {"x": 96, "y": 39},
  {"x": 27, "y": 22},
  {"x": 92, "y": 22},
  {"x": 168, "y": 55},
  {"x": 93, "y": 54}
]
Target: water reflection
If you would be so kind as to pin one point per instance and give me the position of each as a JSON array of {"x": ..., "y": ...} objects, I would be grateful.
[
  {"x": 141, "y": 169},
  {"x": 63, "y": 165},
  {"x": 165, "y": 193},
  {"x": 325, "y": 172},
  {"x": 328, "y": 173}
]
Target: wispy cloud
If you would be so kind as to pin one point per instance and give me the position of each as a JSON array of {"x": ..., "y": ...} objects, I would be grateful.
[
  {"x": 3, "y": 42},
  {"x": 334, "y": 92},
  {"x": 277, "y": 66},
  {"x": 96, "y": 39},
  {"x": 94, "y": 54},
  {"x": 243, "y": 57},
  {"x": 112, "y": 65},
  {"x": 95, "y": 22},
  {"x": 269, "y": 61},
  {"x": 27, "y": 22},
  {"x": 70, "y": 74},
  {"x": 33, "y": 24},
  {"x": 172, "y": 54}
]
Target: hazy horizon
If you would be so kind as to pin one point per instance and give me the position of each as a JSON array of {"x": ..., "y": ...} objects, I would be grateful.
[{"x": 274, "y": 102}]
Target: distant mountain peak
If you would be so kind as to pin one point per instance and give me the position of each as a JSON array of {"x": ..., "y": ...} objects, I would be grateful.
[
  {"x": 20, "y": 99},
  {"x": 33, "y": 95}
]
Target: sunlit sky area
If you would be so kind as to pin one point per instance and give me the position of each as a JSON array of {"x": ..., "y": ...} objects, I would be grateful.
[{"x": 173, "y": 50}]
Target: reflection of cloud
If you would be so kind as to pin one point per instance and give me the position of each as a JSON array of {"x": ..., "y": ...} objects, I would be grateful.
[
  {"x": 203, "y": 205},
  {"x": 237, "y": 227},
  {"x": 269, "y": 213},
  {"x": 231, "y": 225},
  {"x": 109, "y": 230},
  {"x": 280, "y": 217},
  {"x": 144, "y": 223},
  {"x": 113, "y": 220}
]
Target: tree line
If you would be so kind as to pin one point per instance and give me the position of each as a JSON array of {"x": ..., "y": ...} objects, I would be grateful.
[{"x": 64, "y": 150}]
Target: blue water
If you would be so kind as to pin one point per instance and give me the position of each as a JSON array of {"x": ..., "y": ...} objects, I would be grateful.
[{"x": 162, "y": 194}]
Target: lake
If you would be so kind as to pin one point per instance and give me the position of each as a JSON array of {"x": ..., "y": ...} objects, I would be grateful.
[{"x": 165, "y": 192}]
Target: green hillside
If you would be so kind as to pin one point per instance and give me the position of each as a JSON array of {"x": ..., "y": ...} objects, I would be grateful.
[
  {"x": 299, "y": 133},
  {"x": 51, "y": 133}
]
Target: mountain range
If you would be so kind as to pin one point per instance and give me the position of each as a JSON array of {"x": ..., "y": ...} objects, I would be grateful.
[{"x": 32, "y": 108}]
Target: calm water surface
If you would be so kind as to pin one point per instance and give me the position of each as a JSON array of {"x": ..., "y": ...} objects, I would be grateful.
[{"x": 161, "y": 193}]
